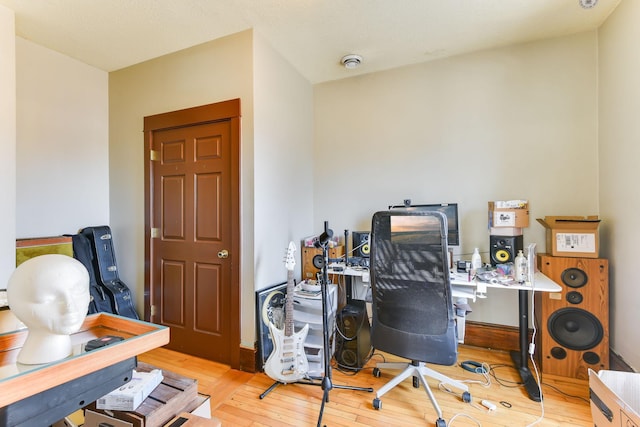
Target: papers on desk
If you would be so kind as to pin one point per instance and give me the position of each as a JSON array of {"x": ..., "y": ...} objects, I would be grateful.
[{"x": 495, "y": 277}]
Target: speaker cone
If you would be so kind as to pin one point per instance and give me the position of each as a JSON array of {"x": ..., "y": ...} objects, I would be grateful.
[
  {"x": 502, "y": 255},
  {"x": 591, "y": 358},
  {"x": 349, "y": 357},
  {"x": 558, "y": 353},
  {"x": 318, "y": 261},
  {"x": 574, "y": 277},
  {"x": 575, "y": 329},
  {"x": 574, "y": 297}
]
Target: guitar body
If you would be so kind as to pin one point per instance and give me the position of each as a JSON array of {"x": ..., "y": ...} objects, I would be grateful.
[{"x": 287, "y": 362}]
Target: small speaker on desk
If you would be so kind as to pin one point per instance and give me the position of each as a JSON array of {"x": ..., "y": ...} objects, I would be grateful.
[
  {"x": 503, "y": 249},
  {"x": 360, "y": 244},
  {"x": 353, "y": 342}
]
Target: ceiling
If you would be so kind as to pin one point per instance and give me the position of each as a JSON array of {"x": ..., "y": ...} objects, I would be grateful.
[{"x": 313, "y": 35}]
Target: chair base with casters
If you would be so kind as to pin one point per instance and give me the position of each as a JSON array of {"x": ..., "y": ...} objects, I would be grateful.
[{"x": 417, "y": 370}]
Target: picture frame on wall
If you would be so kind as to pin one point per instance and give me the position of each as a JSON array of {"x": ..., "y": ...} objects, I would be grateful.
[{"x": 270, "y": 308}]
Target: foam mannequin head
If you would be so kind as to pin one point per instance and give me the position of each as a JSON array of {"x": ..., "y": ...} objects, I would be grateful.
[{"x": 50, "y": 295}]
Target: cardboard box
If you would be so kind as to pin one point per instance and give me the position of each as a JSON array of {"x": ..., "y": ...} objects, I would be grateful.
[
  {"x": 615, "y": 398},
  {"x": 129, "y": 396},
  {"x": 97, "y": 419},
  {"x": 509, "y": 213},
  {"x": 505, "y": 231},
  {"x": 572, "y": 236},
  {"x": 174, "y": 395},
  {"x": 191, "y": 420}
]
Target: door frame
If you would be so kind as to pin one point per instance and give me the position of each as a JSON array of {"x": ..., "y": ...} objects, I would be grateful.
[{"x": 225, "y": 110}]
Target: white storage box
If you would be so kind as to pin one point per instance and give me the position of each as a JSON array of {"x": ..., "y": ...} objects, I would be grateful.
[{"x": 129, "y": 396}]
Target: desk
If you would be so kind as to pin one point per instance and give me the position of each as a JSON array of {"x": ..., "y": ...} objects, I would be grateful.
[
  {"x": 462, "y": 287},
  {"x": 541, "y": 283}
]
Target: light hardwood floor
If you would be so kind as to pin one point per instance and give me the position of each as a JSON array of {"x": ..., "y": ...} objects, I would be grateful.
[{"x": 235, "y": 396}]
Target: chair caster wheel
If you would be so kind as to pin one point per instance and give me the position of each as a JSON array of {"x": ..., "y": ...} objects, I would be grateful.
[
  {"x": 376, "y": 372},
  {"x": 377, "y": 404},
  {"x": 441, "y": 423},
  {"x": 466, "y": 397}
]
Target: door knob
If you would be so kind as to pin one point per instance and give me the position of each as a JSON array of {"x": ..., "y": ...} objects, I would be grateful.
[{"x": 223, "y": 254}]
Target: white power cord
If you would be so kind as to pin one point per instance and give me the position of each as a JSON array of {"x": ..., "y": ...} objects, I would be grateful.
[{"x": 532, "y": 347}]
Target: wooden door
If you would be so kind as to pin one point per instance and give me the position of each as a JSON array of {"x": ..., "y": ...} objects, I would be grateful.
[{"x": 192, "y": 234}]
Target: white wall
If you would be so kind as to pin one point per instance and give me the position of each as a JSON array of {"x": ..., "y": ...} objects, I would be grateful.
[
  {"x": 7, "y": 145},
  {"x": 282, "y": 172},
  {"x": 619, "y": 151},
  {"x": 512, "y": 123},
  {"x": 62, "y": 149}
]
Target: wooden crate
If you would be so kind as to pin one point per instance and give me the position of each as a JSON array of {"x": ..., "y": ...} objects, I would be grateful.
[{"x": 176, "y": 394}]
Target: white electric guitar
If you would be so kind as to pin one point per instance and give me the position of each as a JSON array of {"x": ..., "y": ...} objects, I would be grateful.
[{"x": 288, "y": 361}]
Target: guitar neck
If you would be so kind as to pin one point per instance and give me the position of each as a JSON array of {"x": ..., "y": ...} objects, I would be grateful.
[{"x": 288, "y": 326}]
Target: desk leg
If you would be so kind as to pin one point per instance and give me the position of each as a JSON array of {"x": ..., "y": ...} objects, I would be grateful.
[{"x": 520, "y": 359}]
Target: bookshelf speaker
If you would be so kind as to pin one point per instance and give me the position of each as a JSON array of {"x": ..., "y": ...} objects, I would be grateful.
[{"x": 503, "y": 249}]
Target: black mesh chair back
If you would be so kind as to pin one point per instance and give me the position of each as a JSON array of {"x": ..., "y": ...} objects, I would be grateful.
[{"x": 413, "y": 314}]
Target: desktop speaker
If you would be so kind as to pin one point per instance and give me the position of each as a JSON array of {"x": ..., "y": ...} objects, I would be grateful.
[
  {"x": 503, "y": 249},
  {"x": 573, "y": 323},
  {"x": 360, "y": 244},
  {"x": 353, "y": 337}
]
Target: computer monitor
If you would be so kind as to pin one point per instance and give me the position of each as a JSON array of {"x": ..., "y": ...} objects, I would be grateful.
[{"x": 451, "y": 212}]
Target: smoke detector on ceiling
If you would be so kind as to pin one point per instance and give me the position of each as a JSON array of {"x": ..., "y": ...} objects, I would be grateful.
[
  {"x": 351, "y": 61},
  {"x": 588, "y": 4}
]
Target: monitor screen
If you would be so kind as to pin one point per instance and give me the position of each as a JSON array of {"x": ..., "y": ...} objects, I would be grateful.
[{"x": 451, "y": 212}]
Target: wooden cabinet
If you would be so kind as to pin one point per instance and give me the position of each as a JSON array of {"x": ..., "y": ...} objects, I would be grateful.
[{"x": 308, "y": 270}]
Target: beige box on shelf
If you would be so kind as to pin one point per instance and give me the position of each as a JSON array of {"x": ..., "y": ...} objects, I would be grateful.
[
  {"x": 615, "y": 398},
  {"x": 509, "y": 213},
  {"x": 572, "y": 236}
]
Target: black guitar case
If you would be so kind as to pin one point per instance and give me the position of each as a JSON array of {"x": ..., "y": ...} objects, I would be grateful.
[
  {"x": 104, "y": 262},
  {"x": 100, "y": 300}
]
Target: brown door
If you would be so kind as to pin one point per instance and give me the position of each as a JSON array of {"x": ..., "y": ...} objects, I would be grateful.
[{"x": 192, "y": 250}]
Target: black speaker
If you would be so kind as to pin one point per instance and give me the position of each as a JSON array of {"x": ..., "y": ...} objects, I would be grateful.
[
  {"x": 353, "y": 337},
  {"x": 574, "y": 323},
  {"x": 503, "y": 249},
  {"x": 360, "y": 244}
]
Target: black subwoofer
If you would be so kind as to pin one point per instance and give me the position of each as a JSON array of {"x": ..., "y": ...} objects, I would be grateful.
[{"x": 353, "y": 336}]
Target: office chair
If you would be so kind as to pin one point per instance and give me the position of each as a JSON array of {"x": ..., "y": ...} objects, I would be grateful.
[{"x": 413, "y": 315}]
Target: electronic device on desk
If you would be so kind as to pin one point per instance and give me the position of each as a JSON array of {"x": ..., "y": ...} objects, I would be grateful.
[
  {"x": 358, "y": 262},
  {"x": 101, "y": 342},
  {"x": 449, "y": 209}
]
